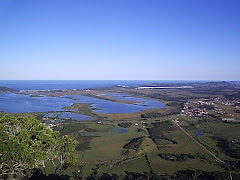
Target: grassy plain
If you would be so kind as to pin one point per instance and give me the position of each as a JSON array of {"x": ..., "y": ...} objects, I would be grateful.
[{"x": 164, "y": 149}]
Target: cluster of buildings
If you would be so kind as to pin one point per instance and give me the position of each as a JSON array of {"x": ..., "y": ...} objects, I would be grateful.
[
  {"x": 233, "y": 120},
  {"x": 218, "y": 100},
  {"x": 219, "y": 110},
  {"x": 164, "y": 87},
  {"x": 51, "y": 122},
  {"x": 201, "y": 107},
  {"x": 194, "y": 111},
  {"x": 223, "y": 101},
  {"x": 143, "y": 122}
]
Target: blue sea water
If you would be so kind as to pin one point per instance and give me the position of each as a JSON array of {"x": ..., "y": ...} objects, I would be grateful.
[{"x": 74, "y": 84}]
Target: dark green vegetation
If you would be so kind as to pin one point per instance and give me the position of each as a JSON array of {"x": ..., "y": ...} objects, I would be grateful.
[
  {"x": 85, "y": 109},
  {"x": 152, "y": 144},
  {"x": 230, "y": 148},
  {"x": 159, "y": 133},
  {"x": 27, "y": 145},
  {"x": 70, "y": 128},
  {"x": 125, "y": 125},
  {"x": 135, "y": 143},
  {"x": 36, "y": 95},
  {"x": 6, "y": 89},
  {"x": 84, "y": 142}
]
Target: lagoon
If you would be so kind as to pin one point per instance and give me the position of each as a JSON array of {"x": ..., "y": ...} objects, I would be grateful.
[
  {"x": 20, "y": 103},
  {"x": 110, "y": 107}
]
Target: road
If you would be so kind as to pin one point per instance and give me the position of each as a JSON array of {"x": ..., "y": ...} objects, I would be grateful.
[{"x": 215, "y": 157}]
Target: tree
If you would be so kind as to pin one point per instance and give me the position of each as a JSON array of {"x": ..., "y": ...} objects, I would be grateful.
[{"x": 26, "y": 144}]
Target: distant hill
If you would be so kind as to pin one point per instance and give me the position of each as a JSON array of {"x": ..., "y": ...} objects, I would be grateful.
[
  {"x": 6, "y": 89},
  {"x": 208, "y": 85}
]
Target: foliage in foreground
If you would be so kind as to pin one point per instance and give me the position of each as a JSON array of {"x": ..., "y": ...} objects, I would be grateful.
[
  {"x": 26, "y": 144},
  {"x": 179, "y": 175}
]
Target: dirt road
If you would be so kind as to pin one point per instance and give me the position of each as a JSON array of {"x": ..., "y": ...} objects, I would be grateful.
[{"x": 215, "y": 157}]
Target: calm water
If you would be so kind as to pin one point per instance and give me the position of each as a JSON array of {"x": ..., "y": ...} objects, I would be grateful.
[
  {"x": 47, "y": 115},
  {"x": 64, "y": 115},
  {"x": 74, "y": 84},
  {"x": 19, "y": 103},
  {"x": 79, "y": 117},
  {"x": 199, "y": 133},
  {"x": 109, "y": 107}
]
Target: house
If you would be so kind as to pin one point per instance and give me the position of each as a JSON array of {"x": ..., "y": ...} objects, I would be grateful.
[{"x": 231, "y": 120}]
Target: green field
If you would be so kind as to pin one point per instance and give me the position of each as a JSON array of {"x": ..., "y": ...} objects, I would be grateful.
[{"x": 149, "y": 142}]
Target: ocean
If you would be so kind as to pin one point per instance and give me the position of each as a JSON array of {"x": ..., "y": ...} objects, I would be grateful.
[{"x": 76, "y": 84}]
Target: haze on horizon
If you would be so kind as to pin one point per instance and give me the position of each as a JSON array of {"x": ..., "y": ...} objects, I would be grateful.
[{"x": 119, "y": 40}]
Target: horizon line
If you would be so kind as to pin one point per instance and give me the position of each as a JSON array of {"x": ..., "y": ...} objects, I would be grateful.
[{"x": 108, "y": 80}]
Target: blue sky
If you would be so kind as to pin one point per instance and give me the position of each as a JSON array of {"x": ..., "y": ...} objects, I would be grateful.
[{"x": 120, "y": 40}]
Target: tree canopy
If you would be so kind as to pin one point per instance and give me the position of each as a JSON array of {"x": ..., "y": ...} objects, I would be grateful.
[{"x": 27, "y": 144}]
